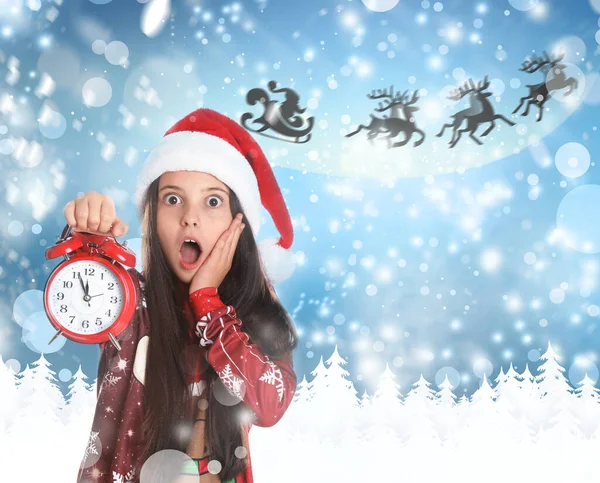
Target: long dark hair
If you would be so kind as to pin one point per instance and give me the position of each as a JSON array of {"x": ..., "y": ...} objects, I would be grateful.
[{"x": 169, "y": 412}]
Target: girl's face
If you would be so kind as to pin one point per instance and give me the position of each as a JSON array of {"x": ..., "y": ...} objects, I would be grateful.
[{"x": 191, "y": 205}]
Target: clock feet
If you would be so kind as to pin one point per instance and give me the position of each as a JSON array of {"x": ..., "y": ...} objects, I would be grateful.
[
  {"x": 55, "y": 336},
  {"x": 114, "y": 341}
]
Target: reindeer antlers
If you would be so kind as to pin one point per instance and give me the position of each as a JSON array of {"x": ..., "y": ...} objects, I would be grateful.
[
  {"x": 486, "y": 84},
  {"x": 382, "y": 94},
  {"x": 532, "y": 64},
  {"x": 392, "y": 100},
  {"x": 388, "y": 97},
  {"x": 462, "y": 91},
  {"x": 468, "y": 87},
  {"x": 414, "y": 99}
]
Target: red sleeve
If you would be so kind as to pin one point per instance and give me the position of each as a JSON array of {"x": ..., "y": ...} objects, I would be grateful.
[{"x": 266, "y": 385}]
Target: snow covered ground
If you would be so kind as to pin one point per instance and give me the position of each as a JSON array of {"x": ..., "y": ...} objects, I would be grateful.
[{"x": 525, "y": 427}]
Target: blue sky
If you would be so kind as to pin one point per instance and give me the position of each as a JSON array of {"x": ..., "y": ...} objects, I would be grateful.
[{"x": 430, "y": 259}]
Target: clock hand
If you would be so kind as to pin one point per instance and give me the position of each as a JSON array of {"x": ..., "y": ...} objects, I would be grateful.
[
  {"x": 87, "y": 287},
  {"x": 92, "y": 296},
  {"x": 82, "y": 286}
]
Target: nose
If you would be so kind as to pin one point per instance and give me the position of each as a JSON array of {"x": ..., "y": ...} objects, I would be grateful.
[{"x": 190, "y": 217}]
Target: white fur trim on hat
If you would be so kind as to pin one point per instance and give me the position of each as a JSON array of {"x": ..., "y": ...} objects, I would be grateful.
[
  {"x": 199, "y": 151},
  {"x": 278, "y": 263}
]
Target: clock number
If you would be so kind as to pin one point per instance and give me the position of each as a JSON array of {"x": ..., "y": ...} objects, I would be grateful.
[
  {"x": 63, "y": 308},
  {"x": 76, "y": 274},
  {"x": 98, "y": 321},
  {"x": 85, "y": 324},
  {"x": 102, "y": 276},
  {"x": 60, "y": 296},
  {"x": 91, "y": 271},
  {"x": 67, "y": 284},
  {"x": 113, "y": 300},
  {"x": 72, "y": 319},
  {"x": 108, "y": 313},
  {"x": 111, "y": 285}
]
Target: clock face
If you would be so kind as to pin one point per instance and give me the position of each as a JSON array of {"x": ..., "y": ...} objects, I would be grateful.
[{"x": 86, "y": 297}]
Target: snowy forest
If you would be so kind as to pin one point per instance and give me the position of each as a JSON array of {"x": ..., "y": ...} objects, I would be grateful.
[{"x": 527, "y": 416}]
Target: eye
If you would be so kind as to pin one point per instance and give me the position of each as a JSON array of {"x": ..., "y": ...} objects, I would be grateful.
[
  {"x": 214, "y": 197},
  {"x": 169, "y": 197}
]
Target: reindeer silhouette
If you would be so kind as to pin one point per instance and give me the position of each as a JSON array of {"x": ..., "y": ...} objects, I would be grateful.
[
  {"x": 394, "y": 124},
  {"x": 479, "y": 111},
  {"x": 539, "y": 93},
  {"x": 474, "y": 109}
]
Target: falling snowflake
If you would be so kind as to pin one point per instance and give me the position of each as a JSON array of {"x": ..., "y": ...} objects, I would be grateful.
[
  {"x": 111, "y": 380},
  {"x": 119, "y": 478},
  {"x": 232, "y": 383},
  {"x": 91, "y": 446},
  {"x": 273, "y": 376}
]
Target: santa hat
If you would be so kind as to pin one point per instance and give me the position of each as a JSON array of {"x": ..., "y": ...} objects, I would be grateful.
[{"x": 212, "y": 143}]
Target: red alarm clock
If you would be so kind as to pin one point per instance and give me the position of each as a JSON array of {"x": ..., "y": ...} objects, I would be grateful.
[{"x": 90, "y": 297}]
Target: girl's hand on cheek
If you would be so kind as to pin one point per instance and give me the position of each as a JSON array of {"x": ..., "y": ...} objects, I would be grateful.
[{"x": 218, "y": 263}]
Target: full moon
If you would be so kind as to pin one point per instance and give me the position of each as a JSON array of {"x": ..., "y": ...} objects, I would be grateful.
[{"x": 380, "y": 5}]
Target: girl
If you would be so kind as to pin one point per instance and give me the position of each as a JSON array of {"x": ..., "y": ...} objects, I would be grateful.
[{"x": 208, "y": 352}]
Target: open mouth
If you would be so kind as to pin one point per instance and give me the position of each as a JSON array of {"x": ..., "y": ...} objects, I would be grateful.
[{"x": 189, "y": 254}]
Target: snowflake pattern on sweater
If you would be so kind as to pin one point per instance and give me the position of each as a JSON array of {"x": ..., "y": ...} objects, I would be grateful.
[
  {"x": 91, "y": 448},
  {"x": 273, "y": 376},
  {"x": 264, "y": 385},
  {"x": 128, "y": 478},
  {"x": 233, "y": 384}
]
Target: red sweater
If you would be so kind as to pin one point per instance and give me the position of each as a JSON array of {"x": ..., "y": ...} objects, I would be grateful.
[{"x": 265, "y": 385}]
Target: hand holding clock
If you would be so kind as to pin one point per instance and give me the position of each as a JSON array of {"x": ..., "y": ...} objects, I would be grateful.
[
  {"x": 94, "y": 213},
  {"x": 102, "y": 321}
]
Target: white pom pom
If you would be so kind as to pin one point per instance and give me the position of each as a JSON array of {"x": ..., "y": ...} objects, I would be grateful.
[{"x": 278, "y": 263}]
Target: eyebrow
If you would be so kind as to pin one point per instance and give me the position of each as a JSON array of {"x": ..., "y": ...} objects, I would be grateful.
[{"x": 171, "y": 186}]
